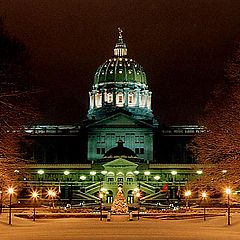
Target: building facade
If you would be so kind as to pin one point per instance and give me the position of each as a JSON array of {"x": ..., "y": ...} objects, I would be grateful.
[{"x": 120, "y": 144}]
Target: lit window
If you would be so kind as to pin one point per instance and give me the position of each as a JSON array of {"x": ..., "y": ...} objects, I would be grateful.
[
  {"x": 130, "y": 98},
  {"x": 120, "y": 98}
]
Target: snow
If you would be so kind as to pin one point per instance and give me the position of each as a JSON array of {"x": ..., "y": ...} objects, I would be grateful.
[{"x": 120, "y": 228}]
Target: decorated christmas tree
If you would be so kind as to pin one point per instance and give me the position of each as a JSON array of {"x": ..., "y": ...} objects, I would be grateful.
[{"x": 119, "y": 204}]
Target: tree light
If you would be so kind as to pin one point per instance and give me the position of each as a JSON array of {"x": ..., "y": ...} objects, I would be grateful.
[{"x": 174, "y": 172}]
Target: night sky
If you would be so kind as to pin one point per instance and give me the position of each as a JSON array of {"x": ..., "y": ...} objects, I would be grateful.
[{"x": 182, "y": 45}]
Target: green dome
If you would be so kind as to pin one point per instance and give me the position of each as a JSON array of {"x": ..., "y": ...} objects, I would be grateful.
[{"x": 120, "y": 70}]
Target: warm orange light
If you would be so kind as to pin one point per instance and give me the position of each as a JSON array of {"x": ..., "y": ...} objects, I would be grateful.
[
  {"x": 138, "y": 194},
  {"x": 228, "y": 191},
  {"x": 187, "y": 193},
  {"x": 204, "y": 194},
  {"x": 51, "y": 193},
  {"x": 10, "y": 190},
  {"x": 34, "y": 194}
]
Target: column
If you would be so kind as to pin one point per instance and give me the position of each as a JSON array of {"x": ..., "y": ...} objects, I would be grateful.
[
  {"x": 125, "y": 92},
  {"x": 138, "y": 97}
]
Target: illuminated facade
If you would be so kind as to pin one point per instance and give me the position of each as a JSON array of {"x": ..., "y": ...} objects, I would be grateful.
[{"x": 120, "y": 144}]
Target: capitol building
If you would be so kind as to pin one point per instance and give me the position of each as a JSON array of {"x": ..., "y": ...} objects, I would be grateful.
[{"x": 120, "y": 144}]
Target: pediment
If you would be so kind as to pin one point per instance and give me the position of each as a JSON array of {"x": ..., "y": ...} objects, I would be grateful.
[
  {"x": 120, "y": 119},
  {"x": 120, "y": 162}
]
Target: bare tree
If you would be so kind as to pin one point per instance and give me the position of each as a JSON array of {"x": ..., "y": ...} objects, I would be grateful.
[
  {"x": 218, "y": 147},
  {"x": 16, "y": 109}
]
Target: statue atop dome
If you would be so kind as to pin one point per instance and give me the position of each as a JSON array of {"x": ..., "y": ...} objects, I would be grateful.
[
  {"x": 120, "y": 49},
  {"x": 120, "y": 32}
]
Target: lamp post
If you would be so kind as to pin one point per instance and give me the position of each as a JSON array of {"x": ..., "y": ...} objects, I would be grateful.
[
  {"x": 100, "y": 202},
  {"x": 34, "y": 197},
  {"x": 204, "y": 196},
  {"x": 138, "y": 194},
  {"x": 10, "y": 192},
  {"x": 187, "y": 195},
  {"x": 228, "y": 191},
  {"x": 1, "y": 200},
  {"x": 174, "y": 173}
]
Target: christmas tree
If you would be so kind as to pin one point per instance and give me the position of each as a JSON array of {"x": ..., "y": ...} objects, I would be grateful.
[{"x": 119, "y": 204}]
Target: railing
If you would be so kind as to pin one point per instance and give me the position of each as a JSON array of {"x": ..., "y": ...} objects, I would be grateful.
[{"x": 53, "y": 130}]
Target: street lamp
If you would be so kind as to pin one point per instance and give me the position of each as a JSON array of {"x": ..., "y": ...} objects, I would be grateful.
[
  {"x": 34, "y": 197},
  {"x": 10, "y": 192},
  {"x": 52, "y": 194},
  {"x": 138, "y": 195},
  {"x": 100, "y": 201},
  {"x": 204, "y": 196},
  {"x": 228, "y": 191},
  {"x": 93, "y": 173},
  {"x": 187, "y": 195}
]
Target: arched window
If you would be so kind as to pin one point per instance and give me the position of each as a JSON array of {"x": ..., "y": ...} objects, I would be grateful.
[
  {"x": 131, "y": 99},
  {"x": 120, "y": 99}
]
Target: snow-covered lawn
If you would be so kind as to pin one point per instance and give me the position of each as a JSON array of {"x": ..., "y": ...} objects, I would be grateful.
[{"x": 120, "y": 228}]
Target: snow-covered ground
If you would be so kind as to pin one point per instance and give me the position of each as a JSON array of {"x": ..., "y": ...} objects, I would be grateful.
[{"x": 120, "y": 228}]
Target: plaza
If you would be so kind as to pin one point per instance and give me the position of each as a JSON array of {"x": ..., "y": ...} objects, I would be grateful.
[{"x": 120, "y": 228}]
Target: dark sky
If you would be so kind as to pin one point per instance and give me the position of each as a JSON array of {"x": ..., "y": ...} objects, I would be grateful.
[{"x": 182, "y": 46}]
